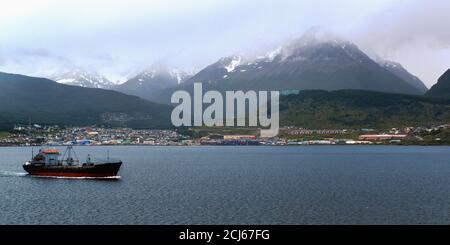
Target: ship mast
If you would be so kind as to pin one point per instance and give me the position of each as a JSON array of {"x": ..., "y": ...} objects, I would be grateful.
[
  {"x": 29, "y": 138},
  {"x": 29, "y": 131}
]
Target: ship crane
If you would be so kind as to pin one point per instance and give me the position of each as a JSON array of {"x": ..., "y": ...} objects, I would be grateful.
[{"x": 69, "y": 159}]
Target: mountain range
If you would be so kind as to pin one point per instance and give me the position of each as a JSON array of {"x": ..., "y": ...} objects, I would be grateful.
[
  {"x": 306, "y": 63},
  {"x": 309, "y": 62},
  {"x": 153, "y": 80},
  {"x": 48, "y": 102},
  {"x": 335, "y": 84}
]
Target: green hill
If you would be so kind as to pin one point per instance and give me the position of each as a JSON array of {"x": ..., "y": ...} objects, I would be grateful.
[
  {"x": 48, "y": 102},
  {"x": 361, "y": 109}
]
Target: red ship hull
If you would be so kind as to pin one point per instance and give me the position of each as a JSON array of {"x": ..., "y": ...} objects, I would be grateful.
[
  {"x": 73, "y": 175},
  {"x": 93, "y": 171}
]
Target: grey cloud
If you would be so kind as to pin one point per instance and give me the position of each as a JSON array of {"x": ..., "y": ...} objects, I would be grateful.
[
  {"x": 412, "y": 32},
  {"x": 24, "y": 55},
  {"x": 40, "y": 52},
  {"x": 2, "y": 60},
  {"x": 404, "y": 23}
]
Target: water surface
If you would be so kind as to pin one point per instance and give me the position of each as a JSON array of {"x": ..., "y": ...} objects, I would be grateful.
[{"x": 238, "y": 185}]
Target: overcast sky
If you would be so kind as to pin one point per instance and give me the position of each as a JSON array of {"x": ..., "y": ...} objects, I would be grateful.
[{"x": 120, "y": 38}]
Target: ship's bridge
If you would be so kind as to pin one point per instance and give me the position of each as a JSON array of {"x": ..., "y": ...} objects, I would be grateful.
[{"x": 50, "y": 156}]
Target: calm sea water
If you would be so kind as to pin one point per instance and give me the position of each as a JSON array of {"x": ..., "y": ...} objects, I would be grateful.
[{"x": 238, "y": 185}]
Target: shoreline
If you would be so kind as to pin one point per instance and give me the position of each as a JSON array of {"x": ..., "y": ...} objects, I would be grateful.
[{"x": 305, "y": 145}]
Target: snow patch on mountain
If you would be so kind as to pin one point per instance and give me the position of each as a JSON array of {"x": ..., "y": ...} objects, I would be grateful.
[
  {"x": 158, "y": 72},
  {"x": 270, "y": 56},
  {"x": 233, "y": 63},
  {"x": 66, "y": 80},
  {"x": 83, "y": 79}
]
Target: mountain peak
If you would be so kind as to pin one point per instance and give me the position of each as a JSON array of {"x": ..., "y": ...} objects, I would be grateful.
[
  {"x": 317, "y": 35},
  {"x": 314, "y": 44},
  {"x": 152, "y": 80},
  {"x": 230, "y": 63},
  {"x": 317, "y": 60},
  {"x": 83, "y": 78},
  {"x": 159, "y": 72}
]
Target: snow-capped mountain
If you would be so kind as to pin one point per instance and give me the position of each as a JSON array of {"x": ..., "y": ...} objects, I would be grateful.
[
  {"x": 83, "y": 79},
  {"x": 219, "y": 70},
  {"x": 153, "y": 80},
  {"x": 317, "y": 60},
  {"x": 158, "y": 74},
  {"x": 313, "y": 61}
]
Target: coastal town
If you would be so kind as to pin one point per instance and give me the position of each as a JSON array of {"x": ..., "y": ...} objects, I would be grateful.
[{"x": 38, "y": 135}]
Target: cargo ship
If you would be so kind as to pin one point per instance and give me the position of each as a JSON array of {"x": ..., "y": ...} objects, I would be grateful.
[{"x": 49, "y": 163}]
